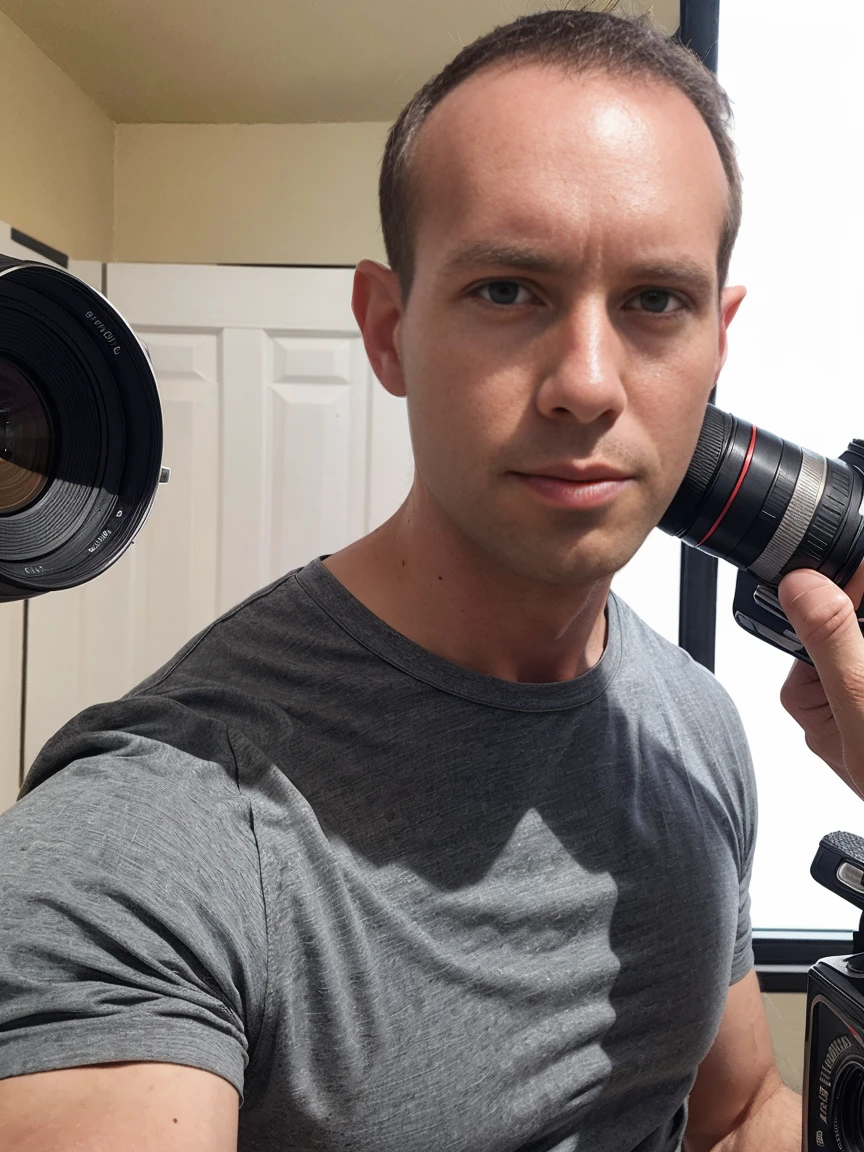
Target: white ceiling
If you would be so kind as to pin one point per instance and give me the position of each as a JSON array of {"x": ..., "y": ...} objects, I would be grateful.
[{"x": 265, "y": 61}]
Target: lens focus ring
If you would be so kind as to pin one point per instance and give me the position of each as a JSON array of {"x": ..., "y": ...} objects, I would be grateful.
[
  {"x": 799, "y": 512},
  {"x": 829, "y": 514}
]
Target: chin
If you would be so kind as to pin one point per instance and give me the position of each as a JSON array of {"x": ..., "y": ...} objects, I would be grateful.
[
  {"x": 573, "y": 568},
  {"x": 560, "y": 555},
  {"x": 597, "y": 557}
]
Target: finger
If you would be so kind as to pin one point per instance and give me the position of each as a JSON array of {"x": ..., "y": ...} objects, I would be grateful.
[
  {"x": 801, "y": 699},
  {"x": 801, "y": 673},
  {"x": 804, "y": 697},
  {"x": 817, "y": 718},
  {"x": 824, "y": 619},
  {"x": 800, "y": 677},
  {"x": 855, "y": 588}
]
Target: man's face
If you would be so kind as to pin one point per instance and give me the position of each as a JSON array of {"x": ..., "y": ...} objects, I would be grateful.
[{"x": 563, "y": 330}]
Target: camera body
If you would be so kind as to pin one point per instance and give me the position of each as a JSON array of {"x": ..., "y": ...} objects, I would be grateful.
[
  {"x": 834, "y": 1048},
  {"x": 834, "y": 1056}
]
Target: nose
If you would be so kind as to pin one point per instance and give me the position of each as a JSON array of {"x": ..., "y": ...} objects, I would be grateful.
[{"x": 582, "y": 379}]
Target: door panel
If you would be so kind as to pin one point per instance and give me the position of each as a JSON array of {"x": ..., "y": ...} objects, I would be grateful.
[
  {"x": 295, "y": 450},
  {"x": 264, "y": 385},
  {"x": 95, "y": 642},
  {"x": 178, "y": 550},
  {"x": 310, "y": 472},
  {"x": 391, "y": 461},
  {"x": 11, "y": 645},
  {"x": 316, "y": 450}
]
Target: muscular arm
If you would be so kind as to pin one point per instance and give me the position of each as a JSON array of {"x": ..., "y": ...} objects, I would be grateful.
[
  {"x": 739, "y": 1103},
  {"x": 124, "y": 936},
  {"x": 136, "y": 1107}
]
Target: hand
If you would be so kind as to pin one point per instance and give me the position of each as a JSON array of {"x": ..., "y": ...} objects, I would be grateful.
[{"x": 828, "y": 699}]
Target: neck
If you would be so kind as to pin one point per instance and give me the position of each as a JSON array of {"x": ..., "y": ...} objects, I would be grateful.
[{"x": 423, "y": 577}]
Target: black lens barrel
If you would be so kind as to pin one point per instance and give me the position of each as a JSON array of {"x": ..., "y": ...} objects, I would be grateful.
[
  {"x": 714, "y": 436},
  {"x": 846, "y": 1107},
  {"x": 766, "y": 505},
  {"x": 95, "y": 382}
]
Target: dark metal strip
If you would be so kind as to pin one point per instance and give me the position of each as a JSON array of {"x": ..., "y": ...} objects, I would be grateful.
[
  {"x": 782, "y": 963},
  {"x": 700, "y": 24},
  {"x": 43, "y": 249},
  {"x": 697, "y": 609}
]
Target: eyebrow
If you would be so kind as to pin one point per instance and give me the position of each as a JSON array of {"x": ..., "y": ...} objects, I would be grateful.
[
  {"x": 690, "y": 272},
  {"x": 697, "y": 276},
  {"x": 508, "y": 255}
]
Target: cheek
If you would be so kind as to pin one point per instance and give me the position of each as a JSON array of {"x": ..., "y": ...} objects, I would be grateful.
[
  {"x": 457, "y": 399},
  {"x": 669, "y": 407},
  {"x": 460, "y": 428}
]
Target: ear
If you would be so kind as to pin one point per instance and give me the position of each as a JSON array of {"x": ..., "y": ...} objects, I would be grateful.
[
  {"x": 377, "y": 306},
  {"x": 730, "y": 302}
]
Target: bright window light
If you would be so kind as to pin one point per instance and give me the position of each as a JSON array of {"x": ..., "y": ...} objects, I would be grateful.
[{"x": 795, "y": 369}]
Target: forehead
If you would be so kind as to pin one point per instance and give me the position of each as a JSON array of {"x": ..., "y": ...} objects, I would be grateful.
[{"x": 590, "y": 165}]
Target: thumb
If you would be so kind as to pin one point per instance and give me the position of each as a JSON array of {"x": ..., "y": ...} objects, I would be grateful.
[{"x": 824, "y": 618}]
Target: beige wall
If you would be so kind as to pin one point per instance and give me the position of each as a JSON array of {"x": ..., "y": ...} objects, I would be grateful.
[
  {"x": 786, "y": 1012},
  {"x": 209, "y": 193},
  {"x": 56, "y": 178},
  {"x": 248, "y": 193}
]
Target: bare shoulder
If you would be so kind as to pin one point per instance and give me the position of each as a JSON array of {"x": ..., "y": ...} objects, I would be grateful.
[{"x": 144, "y": 1107}]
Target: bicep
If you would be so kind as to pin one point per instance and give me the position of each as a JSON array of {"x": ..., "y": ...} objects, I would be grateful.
[
  {"x": 132, "y": 926},
  {"x": 737, "y": 1074},
  {"x": 139, "y": 1107}
]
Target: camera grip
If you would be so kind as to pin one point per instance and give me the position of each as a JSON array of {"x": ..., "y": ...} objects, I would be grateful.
[{"x": 839, "y": 866}]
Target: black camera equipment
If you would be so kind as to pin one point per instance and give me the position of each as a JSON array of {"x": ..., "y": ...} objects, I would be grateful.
[
  {"x": 80, "y": 431},
  {"x": 834, "y": 1049},
  {"x": 768, "y": 506}
]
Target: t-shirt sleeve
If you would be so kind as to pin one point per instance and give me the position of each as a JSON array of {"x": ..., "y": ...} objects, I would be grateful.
[
  {"x": 742, "y": 956},
  {"x": 132, "y": 924},
  {"x": 745, "y": 807},
  {"x": 724, "y": 743}
]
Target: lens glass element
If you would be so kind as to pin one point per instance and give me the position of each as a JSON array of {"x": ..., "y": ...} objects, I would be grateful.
[
  {"x": 848, "y": 1107},
  {"x": 25, "y": 440}
]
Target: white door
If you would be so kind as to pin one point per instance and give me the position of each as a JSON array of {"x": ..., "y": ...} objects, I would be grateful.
[
  {"x": 11, "y": 643},
  {"x": 277, "y": 454}
]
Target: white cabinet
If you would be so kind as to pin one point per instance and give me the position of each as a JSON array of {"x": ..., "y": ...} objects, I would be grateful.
[
  {"x": 265, "y": 389},
  {"x": 11, "y": 642}
]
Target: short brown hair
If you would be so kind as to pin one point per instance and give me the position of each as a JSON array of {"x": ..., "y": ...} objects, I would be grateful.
[{"x": 574, "y": 41}]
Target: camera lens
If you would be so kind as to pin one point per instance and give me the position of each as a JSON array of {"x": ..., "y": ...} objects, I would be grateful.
[
  {"x": 25, "y": 441},
  {"x": 766, "y": 505},
  {"x": 847, "y": 1107},
  {"x": 80, "y": 431}
]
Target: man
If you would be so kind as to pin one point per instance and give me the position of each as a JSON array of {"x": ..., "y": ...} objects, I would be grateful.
[{"x": 434, "y": 845}]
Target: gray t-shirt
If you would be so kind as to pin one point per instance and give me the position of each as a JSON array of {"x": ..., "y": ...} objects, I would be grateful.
[{"x": 398, "y": 904}]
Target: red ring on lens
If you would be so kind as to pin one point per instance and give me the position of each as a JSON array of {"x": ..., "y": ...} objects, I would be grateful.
[{"x": 728, "y": 504}]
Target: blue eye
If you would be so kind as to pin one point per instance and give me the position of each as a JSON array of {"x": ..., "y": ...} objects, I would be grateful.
[{"x": 504, "y": 292}]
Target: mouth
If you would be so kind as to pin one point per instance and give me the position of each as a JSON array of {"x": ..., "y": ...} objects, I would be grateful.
[{"x": 572, "y": 486}]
